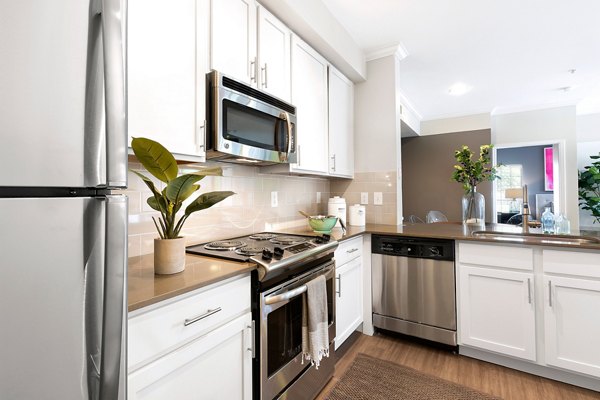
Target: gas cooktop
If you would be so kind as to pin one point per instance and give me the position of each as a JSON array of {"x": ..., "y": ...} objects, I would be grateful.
[{"x": 271, "y": 251}]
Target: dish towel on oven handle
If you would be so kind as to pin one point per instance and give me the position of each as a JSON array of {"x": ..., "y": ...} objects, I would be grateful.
[{"x": 315, "y": 333}]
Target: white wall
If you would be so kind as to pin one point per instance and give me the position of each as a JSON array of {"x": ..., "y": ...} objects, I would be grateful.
[
  {"x": 456, "y": 124},
  {"x": 588, "y": 143},
  {"x": 551, "y": 125}
]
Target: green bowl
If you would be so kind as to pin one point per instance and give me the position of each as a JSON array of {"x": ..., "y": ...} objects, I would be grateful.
[{"x": 322, "y": 225}]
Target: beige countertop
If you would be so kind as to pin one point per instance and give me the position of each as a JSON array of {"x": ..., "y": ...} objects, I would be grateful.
[{"x": 146, "y": 288}]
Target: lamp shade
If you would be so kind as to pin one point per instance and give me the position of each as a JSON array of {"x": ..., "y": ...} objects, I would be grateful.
[{"x": 513, "y": 193}]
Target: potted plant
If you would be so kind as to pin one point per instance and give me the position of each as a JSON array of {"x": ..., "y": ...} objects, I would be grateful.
[
  {"x": 470, "y": 173},
  {"x": 169, "y": 248},
  {"x": 589, "y": 188}
]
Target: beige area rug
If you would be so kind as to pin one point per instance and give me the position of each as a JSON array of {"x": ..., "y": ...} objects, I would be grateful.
[{"x": 374, "y": 379}]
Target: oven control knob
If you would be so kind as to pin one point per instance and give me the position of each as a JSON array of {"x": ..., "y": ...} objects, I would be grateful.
[
  {"x": 267, "y": 255},
  {"x": 326, "y": 238},
  {"x": 278, "y": 252}
]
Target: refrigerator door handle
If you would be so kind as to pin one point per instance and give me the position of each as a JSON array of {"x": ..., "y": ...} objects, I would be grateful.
[
  {"x": 114, "y": 15},
  {"x": 114, "y": 310}
]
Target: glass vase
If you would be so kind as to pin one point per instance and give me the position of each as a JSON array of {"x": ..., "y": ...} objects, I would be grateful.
[{"x": 473, "y": 207}]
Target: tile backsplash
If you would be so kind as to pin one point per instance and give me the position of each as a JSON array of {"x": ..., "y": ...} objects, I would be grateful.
[
  {"x": 370, "y": 182},
  {"x": 248, "y": 211}
]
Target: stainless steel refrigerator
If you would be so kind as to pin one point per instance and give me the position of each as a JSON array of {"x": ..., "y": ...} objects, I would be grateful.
[{"x": 63, "y": 229}]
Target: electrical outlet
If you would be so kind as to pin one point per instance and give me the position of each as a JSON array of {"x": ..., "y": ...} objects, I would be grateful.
[
  {"x": 364, "y": 197},
  {"x": 378, "y": 198},
  {"x": 318, "y": 197},
  {"x": 274, "y": 201}
]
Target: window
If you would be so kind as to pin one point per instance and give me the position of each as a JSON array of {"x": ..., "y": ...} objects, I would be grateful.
[{"x": 511, "y": 176}]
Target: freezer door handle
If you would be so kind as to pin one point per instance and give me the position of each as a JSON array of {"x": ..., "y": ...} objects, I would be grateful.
[
  {"x": 114, "y": 41},
  {"x": 113, "y": 318}
]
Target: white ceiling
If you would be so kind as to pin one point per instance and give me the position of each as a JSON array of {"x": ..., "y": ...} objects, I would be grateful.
[{"x": 515, "y": 54}]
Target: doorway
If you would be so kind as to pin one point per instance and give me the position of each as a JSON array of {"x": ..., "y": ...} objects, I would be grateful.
[{"x": 540, "y": 166}]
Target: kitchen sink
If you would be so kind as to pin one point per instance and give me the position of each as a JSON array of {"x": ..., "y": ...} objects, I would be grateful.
[{"x": 536, "y": 238}]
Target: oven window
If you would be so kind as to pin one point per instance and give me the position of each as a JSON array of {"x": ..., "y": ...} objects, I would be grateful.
[
  {"x": 245, "y": 125},
  {"x": 284, "y": 334}
]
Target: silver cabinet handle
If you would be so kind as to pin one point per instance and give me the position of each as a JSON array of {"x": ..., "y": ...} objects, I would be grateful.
[
  {"x": 115, "y": 98},
  {"x": 550, "y": 293},
  {"x": 264, "y": 73},
  {"x": 202, "y": 316},
  {"x": 529, "y": 289},
  {"x": 351, "y": 251},
  {"x": 333, "y": 158},
  {"x": 299, "y": 157},
  {"x": 199, "y": 132},
  {"x": 339, "y": 291},
  {"x": 253, "y": 70},
  {"x": 252, "y": 339}
]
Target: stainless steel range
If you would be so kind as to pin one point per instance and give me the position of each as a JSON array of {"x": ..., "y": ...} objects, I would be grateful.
[{"x": 285, "y": 264}]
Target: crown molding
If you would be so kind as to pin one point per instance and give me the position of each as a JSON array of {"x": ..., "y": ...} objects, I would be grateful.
[{"x": 397, "y": 50}]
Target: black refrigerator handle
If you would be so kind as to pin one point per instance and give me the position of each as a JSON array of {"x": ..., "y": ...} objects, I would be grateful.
[{"x": 114, "y": 346}]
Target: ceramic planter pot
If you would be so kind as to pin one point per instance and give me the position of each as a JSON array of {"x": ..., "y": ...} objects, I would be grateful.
[{"x": 169, "y": 256}]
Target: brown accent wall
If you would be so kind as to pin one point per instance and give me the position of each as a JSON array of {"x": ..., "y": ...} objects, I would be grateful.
[{"x": 427, "y": 165}]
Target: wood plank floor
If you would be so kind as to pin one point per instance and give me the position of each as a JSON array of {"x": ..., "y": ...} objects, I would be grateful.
[{"x": 490, "y": 378}]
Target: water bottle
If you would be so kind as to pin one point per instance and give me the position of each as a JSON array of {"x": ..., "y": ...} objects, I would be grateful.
[
  {"x": 548, "y": 221},
  {"x": 562, "y": 226}
]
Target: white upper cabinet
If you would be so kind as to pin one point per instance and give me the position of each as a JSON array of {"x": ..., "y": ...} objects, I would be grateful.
[
  {"x": 273, "y": 55},
  {"x": 167, "y": 61},
  {"x": 309, "y": 95},
  {"x": 233, "y": 39},
  {"x": 252, "y": 45},
  {"x": 341, "y": 125}
]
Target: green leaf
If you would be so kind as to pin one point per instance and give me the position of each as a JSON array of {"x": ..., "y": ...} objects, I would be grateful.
[
  {"x": 158, "y": 205},
  {"x": 182, "y": 187},
  {"x": 155, "y": 158},
  {"x": 207, "y": 200}
]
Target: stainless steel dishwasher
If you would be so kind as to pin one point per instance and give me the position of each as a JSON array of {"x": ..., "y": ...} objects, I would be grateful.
[{"x": 414, "y": 289}]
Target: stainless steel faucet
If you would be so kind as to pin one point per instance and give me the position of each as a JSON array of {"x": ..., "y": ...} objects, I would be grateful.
[{"x": 526, "y": 213}]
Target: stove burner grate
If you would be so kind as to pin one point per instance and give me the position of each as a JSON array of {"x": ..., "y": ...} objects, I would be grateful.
[
  {"x": 288, "y": 240},
  {"x": 250, "y": 251},
  {"x": 224, "y": 245},
  {"x": 262, "y": 236}
]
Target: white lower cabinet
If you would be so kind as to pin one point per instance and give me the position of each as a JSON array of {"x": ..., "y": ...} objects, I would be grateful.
[
  {"x": 215, "y": 366},
  {"x": 196, "y": 346},
  {"x": 497, "y": 310},
  {"x": 348, "y": 289},
  {"x": 501, "y": 311}
]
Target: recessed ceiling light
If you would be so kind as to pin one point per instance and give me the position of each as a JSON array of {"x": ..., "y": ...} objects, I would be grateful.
[{"x": 458, "y": 89}]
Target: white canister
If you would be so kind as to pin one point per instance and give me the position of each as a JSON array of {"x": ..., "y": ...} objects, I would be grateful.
[
  {"x": 358, "y": 215},
  {"x": 337, "y": 208}
]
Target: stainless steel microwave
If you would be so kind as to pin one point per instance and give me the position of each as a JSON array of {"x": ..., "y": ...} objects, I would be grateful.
[{"x": 246, "y": 125}]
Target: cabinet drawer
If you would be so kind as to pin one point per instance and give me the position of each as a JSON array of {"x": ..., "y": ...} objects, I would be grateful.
[
  {"x": 579, "y": 263},
  {"x": 514, "y": 257},
  {"x": 349, "y": 250},
  {"x": 160, "y": 330}
]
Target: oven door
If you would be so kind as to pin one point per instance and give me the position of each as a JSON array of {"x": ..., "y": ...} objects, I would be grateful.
[
  {"x": 250, "y": 128},
  {"x": 281, "y": 331}
]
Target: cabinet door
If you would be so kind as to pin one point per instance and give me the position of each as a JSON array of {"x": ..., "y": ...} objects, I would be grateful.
[
  {"x": 497, "y": 311},
  {"x": 163, "y": 63},
  {"x": 215, "y": 366},
  {"x": 309, "y": 95},
  {"x": 572, "y": 325},
  {"x": 273, "y": 55},
  {"x": 349, "y": 300},
  {"x": 233, "y": 39},
  {"x": 341, "y": 125}
]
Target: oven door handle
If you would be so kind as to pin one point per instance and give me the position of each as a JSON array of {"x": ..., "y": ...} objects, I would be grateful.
[{"x": 290, "y": 294}]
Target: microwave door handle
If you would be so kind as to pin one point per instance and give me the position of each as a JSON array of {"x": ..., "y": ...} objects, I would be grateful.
[{"x": 286, "y": 117}]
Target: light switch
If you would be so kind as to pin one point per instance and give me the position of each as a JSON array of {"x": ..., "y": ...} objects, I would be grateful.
[
  {"x": 364, "y": 197},
  {"x": 274, "y": 201},
  {"x": 318, "y": 197},
  {"x": 378, "y": 198}
]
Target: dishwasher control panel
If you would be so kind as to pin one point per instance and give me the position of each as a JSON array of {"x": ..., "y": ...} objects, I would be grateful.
[{"x": 400, "y": 246}]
